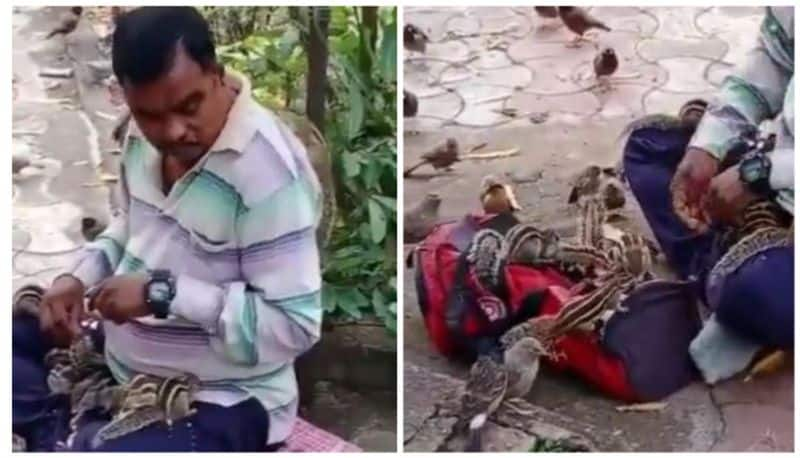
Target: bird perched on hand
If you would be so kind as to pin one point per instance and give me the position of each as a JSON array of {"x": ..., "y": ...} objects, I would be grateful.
[
  {"x": 441, "y": 157},
  {"x": 497, "y": 196},
  {"x": 490, "y": 383},
  {"x": 579, "y": 21},
  {"x": 410, "y": 104},
  {"x": 420, "y": 220},
  {"x": 67, "y": 23},
  {"x": 414, "y": 39},
  {"x": 605, "y": 64}
]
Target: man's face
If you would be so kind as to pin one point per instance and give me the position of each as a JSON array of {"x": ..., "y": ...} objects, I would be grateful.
[{"x": 180, "y": 113}]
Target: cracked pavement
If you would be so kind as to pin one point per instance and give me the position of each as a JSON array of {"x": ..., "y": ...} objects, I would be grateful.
[{"x": 483, "y": 61}]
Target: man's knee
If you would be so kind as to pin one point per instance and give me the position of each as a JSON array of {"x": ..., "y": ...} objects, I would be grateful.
[{"x": 758, "y": 299}]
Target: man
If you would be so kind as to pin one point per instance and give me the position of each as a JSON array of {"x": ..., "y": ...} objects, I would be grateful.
[
  {"x": 670, "y": 170},
  {"x": 210, "y": 268}
]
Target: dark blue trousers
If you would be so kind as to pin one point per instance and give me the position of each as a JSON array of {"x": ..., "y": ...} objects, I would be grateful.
[
  {"x": 757, "y": 300},
  {"x": 42, "y": 418}
]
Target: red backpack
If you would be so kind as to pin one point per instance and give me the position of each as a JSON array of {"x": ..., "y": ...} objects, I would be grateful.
[{"x": 642, "y": 355}]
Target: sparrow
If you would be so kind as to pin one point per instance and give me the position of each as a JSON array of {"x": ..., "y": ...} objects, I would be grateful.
[
  {"x": 67, "y": 23},
  {"x": 91, "y": 228},
  {"x": 579, "y": 21},
  {"x": 595, "y": 181},
  {"x": 414, "y": 39},
  {"x": 491, "y": 382},
  {"x": 686, "y": 121},
  {"x": 420, "y": 220},
  {"x": 497, "y": 197},
  {"x": 441, "y": 157},
  {"x": 410, "y": 104},
  {"x": 605, "y": 64}
]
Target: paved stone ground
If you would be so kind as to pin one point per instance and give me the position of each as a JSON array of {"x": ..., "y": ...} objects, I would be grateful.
[
  {"x": 482, "y": 60},
  {"x": 63, "y": 126}
]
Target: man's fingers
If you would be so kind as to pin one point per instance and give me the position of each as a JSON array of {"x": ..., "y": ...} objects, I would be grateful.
[{"x": 45, "y": 317}]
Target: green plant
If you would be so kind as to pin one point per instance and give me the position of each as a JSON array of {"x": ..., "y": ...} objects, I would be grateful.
[{"x": 359, "y": 272}]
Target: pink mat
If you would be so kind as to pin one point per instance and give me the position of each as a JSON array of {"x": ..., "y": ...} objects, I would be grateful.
[{"x": 306, "y": 437}]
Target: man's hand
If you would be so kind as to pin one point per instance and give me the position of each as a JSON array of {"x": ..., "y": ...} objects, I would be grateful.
[
  {"x": 689, "y": 186},
  {"x": 61, "y": 310},
  {"x": 727, "y": 197},
  {"x": 121, "y": 298}
]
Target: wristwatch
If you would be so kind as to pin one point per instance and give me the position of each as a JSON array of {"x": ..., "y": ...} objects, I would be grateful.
[
  {"x": 159, "y": 292},
  {"x": 754, "y": 170}
]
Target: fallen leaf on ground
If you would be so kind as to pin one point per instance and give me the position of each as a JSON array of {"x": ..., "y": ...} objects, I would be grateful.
[
  {"x": 767, "y": 365},
  {"x": 643, "y": 407}
]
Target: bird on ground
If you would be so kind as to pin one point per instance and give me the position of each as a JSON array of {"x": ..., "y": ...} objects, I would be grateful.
[
  {"x": 547, "y": 13},
  {"x": 420, "y": 220},
  {"x": 410, "y": 104},
  {"x": 491, "y": 382},
  {"x": 605, "y": 64},
  {"x": 91, "y": 228},
  {"x": 441, "y": 157},
  {"x": 414, "y": 39},
  {"x": 579, "y": 22},
  {"x": 67, "y": 23},
  {"x": 497, "y": 197},
  {"x": 598, "y": 181}
]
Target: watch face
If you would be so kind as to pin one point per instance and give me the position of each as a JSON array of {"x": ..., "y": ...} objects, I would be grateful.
[
  {"x": 752, "y": 170},
  {"x": 159, "y": 291}
]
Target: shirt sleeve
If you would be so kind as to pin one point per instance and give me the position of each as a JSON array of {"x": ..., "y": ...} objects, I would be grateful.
[
  {"x": 99, "y": 259},
  {"x": 274, "y": 313},
  {"x": 755, "y": 91}
]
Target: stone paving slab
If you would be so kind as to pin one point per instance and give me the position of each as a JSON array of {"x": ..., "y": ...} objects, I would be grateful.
[{"x": 667, "y": 55}]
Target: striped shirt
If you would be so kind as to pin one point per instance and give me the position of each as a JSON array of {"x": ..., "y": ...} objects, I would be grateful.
[
  {"x": 238, "y": 233},
  {"x": 761, "y": 88}
]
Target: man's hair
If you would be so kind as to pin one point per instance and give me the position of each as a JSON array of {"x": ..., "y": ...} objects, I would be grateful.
[{"x": 146, "y": 40}]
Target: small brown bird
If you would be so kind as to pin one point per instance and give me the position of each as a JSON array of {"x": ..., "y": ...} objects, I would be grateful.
[
  {"x": 67, "y": 23},
  {"x": 491, "y": 382},
  {"x": 605, "y": 64},
  {"x": 410, "y": 104},
  {"x": 414, "y": 39},
  {"x": 579, "y": 22},
  {"x": 420, "y": 220},
  {"x": 687, "y": 120},
  {"x": 595, "y": 181},
  {"x": 441, "y": 157},
  {"x": 497, "y": 197},
  {"x": 549, "y": 12}
]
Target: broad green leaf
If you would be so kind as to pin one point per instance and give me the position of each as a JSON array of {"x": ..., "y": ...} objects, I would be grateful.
[
  {"x": 388, "y": 52},
  {"x": 377, "y": 221},
  {"x": 352, "y": 165},
  {"x": 355, "y": 118}
]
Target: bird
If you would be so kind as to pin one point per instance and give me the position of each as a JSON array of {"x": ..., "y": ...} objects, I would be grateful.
[
  {"x": 67, "y": 23},
  {"x": 579, "y": 21},
  {"x": 548, "y": 13},
  {"x": 441, "y": 157},
  {"x": 605, "y": 64},
  {"x": 91, "y": 228},
  {"x": 688, "y": 118},
  {"x": 497, "y": 197},
  {"x": 420, "y": 220},
  {"x": 414, "y": 39},
  {"x": 491, "y": 382},
  {"x": 410, "y": 104},
  {"x": 594, "y": 181}
]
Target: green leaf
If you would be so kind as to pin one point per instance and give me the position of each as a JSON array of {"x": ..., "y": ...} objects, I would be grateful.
[
  {"x": 389, "y": 202},
  {"x": 392, "y": 307},
  {"x": 378, "y": 302},
  {"x": 355, "y": 119},
  {"x": 388, "y": 52},
  {"x": 352, "y": 165},
  {"x": 377, "y": 221}
]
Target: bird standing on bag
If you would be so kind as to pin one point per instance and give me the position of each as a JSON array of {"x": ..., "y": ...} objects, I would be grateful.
[{"x": 497, "y": 197}]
